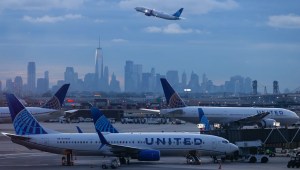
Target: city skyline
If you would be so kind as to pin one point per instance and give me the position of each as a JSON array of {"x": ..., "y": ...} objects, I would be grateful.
[
  {"x": 220, "y": 38},
  {"x": 137, "y": 81}
]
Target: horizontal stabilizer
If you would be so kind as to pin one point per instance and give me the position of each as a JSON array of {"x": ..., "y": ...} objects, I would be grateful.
[{"x": 13, "y": 136}]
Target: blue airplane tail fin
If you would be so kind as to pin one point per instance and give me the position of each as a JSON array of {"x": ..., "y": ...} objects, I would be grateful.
[
  {"x": 57, "y": 100},
  {"x": 101, "y": 122},
  {"x": 173, "y": 99},
  {"x": 178, "y": 13},
  {"x": 203, "y": 119},
  {"x": 24, "y": 123}
]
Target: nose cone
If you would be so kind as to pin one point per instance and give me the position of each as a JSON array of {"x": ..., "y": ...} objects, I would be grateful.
[{"x": 233, "y": 148}]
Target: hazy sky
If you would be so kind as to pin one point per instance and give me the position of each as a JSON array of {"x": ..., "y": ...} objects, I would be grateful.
[{"x": 222, "y": 38}]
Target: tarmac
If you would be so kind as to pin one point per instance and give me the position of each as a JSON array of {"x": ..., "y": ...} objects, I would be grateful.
[{"x": 14, "y": 156}]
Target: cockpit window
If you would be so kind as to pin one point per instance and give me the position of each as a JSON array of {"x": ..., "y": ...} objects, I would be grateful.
[{"x": 225, "y": 141}]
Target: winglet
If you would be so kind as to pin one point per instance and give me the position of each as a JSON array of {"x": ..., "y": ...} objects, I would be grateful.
[
  {"x": 102, "y": 138},
  {"x": 57, "y": 100},
  {"x": 178, "y": 13},
  {"x": 23, "y": 121},
  {"x": 173, "y": 99},
  {"x": 101, "y": 122},
  {"x": 78, "y": 129}
]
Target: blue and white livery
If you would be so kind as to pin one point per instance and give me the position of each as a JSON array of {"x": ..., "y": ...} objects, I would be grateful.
[
  {"x": 155, "y": 13},
  {"x": 264, "y": 117},
  {"x": 141, "y": 146},
  {"x": 44, "y": 112}
]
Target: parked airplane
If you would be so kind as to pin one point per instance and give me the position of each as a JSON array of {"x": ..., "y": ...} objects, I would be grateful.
[
  {"x": 147, "y": 146},
  {"x": 264, "y": 117},
  {"x": 141, "y": 146},
  {"x": 153, "y": 12},
  {"x": 41, "y": 113}
]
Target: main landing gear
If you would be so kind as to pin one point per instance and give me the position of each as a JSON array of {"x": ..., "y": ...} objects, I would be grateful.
[
  {"x": 69, "y": 160},
  {"x": 193, "y": 158},
  {"x": 124, "y": 160}
]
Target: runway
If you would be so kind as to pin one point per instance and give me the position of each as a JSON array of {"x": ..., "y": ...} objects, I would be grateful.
[{"x": 13, "y": 156}]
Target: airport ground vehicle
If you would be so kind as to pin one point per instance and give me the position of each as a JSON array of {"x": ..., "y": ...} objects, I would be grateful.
[
  {"x": 253, "y": 158},
  {"x": 252, "y": 151},
  {"x": 294, "y": 162}
]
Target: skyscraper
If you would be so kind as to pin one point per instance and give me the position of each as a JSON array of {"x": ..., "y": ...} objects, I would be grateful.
[
  {"x": 114, "y": 84},
  {"x": 31, "y": 77},
  {"x": 18, "y": 85},
  {"x": 129, "y": 84},
  {"x": 46, "y": 74},
  {"x": 98, "y": 71}
]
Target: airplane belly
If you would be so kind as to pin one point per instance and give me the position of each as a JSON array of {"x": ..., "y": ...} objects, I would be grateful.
[{"x": 174, "y": 152}]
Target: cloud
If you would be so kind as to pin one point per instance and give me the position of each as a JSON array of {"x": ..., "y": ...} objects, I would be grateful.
[
  {"x": 191, "y": 6},
  {"x": 50, "y": 19},
  {"x": 278, "y": 46},
  {"x": 40, "y": 5},
  {"x": 119, "y": 40},
  {"x": 284, "y": 21},
  {"x": 172, "y": 29},
  {"x": 99, "y": 21}
]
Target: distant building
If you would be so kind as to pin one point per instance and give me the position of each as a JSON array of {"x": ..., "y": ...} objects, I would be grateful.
[
  {"x": 183, "y": 80},
  {"x": 133, "y": 76},
  {"x": 41, "y": 86},
  {"x": 194, "y": 83},
  {"x": 31, "y": 77},
  {"x": 89, "y": 82},
  {"x": 72, "y": 77},
  {"x": 104, "y": 86},
  {"x": 114, "y": 84},
  {"x": 254, "y": 87},
  {"x": 46, "y": 76},
  {"x": 18, "y": 86},
  {"x": 9, "y": 85},
  {"x": 275, "y": 87}
]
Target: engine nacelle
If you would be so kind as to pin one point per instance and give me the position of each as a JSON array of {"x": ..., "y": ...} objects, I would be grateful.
[
  {"x": 149, "y": 155},
  {"x": 267, "y": 123},
  {"x": 148, "y": 12}
]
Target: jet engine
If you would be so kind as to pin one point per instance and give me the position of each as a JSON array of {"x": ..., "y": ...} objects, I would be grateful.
[
  {"x": 267, "y": 123},
  {"x": 148, "y": 12},
  {"x": 148, "y": 155}
]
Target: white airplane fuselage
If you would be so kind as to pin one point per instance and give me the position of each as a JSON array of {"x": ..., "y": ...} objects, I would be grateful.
[
  {"x": 40, "y": 113},
  {"x": 224, "y": 115},
  {"x": 169, "y": 144}
]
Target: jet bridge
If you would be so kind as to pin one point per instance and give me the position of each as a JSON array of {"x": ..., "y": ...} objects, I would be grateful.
[{"x": 271, "y": 137}]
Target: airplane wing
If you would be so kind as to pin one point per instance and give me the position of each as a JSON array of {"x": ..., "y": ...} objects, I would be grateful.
[
  {"x": 151, "y": 110},
  {"x": 254, "y": 118},
  {"x": 120, "y": 149}
]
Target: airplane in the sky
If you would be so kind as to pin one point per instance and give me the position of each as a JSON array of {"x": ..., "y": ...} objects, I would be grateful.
[
  {"x": 141, "y": 146},
  {"x": 44, "y": 112},
  {"x": 264, "y": 117},
  {"x": 153, "y": 12}
]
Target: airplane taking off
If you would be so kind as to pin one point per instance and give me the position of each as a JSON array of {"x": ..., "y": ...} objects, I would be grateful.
[
  {"x": 41, "y": 113},
  {"x": 264, "y": 117},
  {"x": 153, "y": 12},
  {"x": 141, "y": 146}
]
